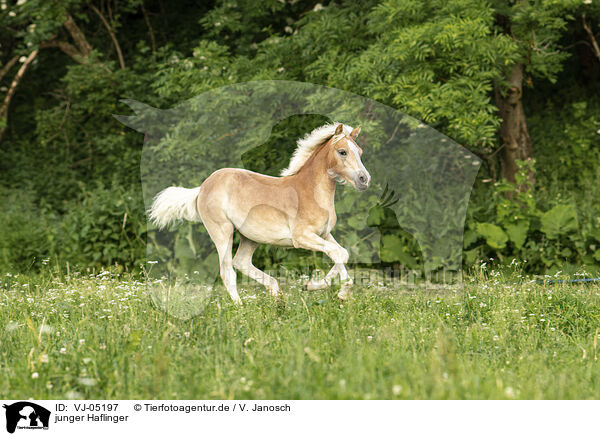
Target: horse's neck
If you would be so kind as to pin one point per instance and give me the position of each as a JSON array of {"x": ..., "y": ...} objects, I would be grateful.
[{"x": 317, "y": 181}]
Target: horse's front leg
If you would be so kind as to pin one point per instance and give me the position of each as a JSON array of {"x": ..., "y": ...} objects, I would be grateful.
[
  {"x": 335, "y": 252},
  {"x": 345, "y": 279}
]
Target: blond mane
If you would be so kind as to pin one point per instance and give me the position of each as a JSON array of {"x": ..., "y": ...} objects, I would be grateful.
[{"x": 308, "y": 144}]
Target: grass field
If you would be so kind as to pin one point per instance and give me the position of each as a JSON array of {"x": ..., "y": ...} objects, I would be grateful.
[{"x": 100, "y": 337}]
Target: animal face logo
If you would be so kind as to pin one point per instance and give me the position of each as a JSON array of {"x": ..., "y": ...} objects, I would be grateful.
[
  {"x": 26, "y": 415},
  {"x": 430, "y": 175}
]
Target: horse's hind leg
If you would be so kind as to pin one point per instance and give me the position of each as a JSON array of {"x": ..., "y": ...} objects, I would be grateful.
[
  {"x": 222, "y": 235},
  {"x": 243, "y": 262}
]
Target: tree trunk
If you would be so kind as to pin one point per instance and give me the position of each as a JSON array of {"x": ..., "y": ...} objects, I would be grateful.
[
  {"x": 67, "y": 48},
  {"x": 514, "y": 136},
  {"x": 6, "y": 68},
  {"x": 588, "y": 30},
  {"x": 112, "y": 35},
  {"x": 150, "y": 30},
  {"x": 84, "y": 47},
  {"x": 12, "y": 89}
]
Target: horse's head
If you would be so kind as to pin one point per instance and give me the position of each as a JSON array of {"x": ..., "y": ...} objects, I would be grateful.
[{"x": 344, "y": 159}]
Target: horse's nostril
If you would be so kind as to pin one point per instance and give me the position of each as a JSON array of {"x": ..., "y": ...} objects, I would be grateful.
[{"x": 362, "y": 179}]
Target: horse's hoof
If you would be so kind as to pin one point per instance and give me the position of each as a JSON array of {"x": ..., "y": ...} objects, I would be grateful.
[
  {"x": 315, "y": 285},
  {"x": 344, "y": 292},
  {"x": 277, "y": 296}
]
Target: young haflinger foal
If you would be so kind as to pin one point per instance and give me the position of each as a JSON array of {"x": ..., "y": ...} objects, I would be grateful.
[{"x": 296, "y": 209}]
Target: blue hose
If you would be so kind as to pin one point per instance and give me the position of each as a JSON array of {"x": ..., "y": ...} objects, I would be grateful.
[{"x": 551, "y": 282}]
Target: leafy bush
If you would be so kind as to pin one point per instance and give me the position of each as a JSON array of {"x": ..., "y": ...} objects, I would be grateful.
[
  {"x": 537, "y": 226},
  {"x": 567, "y": 126},
  {"x": 106, "y": 227},
  {"x": 28, "y": 232}
]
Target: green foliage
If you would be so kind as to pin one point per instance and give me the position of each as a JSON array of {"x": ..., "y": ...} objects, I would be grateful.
[
  {"x": 29, "y": 232},
  {"x": 565, "y": 130},
  {"x": 179, "y": 77},
  {"x": 242, "y": 25},
  {"x": 560, "y": 220},
  {"x": 515, "y": 226},
  {"x": 106, "y": 227},
  {"x": 538, "y": 26},
  {"x": 439, "y": 61},
  {"x": 513, "y": 212},
  {"x": 494, "y": 235}
]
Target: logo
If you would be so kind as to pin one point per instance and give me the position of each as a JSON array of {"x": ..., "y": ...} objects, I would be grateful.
[
  {"x": 421, "y": 184},
  {"x": 26, "y": 415}
]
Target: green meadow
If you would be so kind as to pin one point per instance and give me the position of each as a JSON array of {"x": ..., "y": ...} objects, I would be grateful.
[{"x": 101, "y": 337}]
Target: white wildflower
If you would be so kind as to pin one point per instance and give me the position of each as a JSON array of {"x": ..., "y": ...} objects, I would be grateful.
[
  {"x": 87, "y": 381},
  {"x": 12, "y": 326},
  {"x": 46, "y": 329},
  {"x": 74, "y": 395}
]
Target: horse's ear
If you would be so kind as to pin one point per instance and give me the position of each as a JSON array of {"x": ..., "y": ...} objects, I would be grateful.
[
  {"x": 339, "y": 129},
  {"x": 355, "y": 133}
]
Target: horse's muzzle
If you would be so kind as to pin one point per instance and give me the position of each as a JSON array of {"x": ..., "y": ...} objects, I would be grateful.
[{"x": 361, "y": 181}]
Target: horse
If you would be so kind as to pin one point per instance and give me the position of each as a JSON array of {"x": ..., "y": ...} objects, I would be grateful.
[{"x": 294, "y": 210}]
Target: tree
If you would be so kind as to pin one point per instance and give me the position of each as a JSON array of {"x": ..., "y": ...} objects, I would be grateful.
[
  {"x": 30, "y": 27},
  {"x": 536, "y": 27},
  {"x": 460, "y": 65}
]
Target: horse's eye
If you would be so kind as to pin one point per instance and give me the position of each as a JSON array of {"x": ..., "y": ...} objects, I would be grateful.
[{"x": 342, "y": 152}]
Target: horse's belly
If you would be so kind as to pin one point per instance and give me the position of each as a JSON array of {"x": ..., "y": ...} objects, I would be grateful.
[{"x": 264, "y": 224}]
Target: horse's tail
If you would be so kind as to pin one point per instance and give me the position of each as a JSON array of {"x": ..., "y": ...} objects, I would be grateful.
[{"x": 174, "y": 204}]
